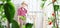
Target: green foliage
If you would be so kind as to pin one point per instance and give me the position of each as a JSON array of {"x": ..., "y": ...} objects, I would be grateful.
[
  {"x": 23, "y": 18},
  {"x": 1, "y": 8},
  {"x": 8, "y": 0},
  {"x": 1, "y": 25},
  {"x": 56, "y": 7},
  {"x": 51, "y": 19},
  {"x": 9, "y": 11},
  {"x": 44, "y": 0},
  {"x": 43, "y": 4},
  {"x": 29, "y": 25},
  {"x": 15, "y": 24},
  {"x": 23, "y": 26},
  {"x": 2, "y": 0},
  {"x": 54, "y": 27},
  {"x": 2, "y": 18}
]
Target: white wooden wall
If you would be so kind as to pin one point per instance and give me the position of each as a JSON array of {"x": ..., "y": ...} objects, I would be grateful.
[
  {"x": 41, "y": 16},
  {"x": 33, "y": 5}
]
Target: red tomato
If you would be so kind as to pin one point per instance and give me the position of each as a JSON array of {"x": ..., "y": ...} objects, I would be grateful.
[
  {"x": 50, "y": 23},
  {"x": 53, "y": 14}
]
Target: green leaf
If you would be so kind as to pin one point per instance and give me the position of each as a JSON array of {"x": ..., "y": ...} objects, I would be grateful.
[
  {"x": 2, "y": 0},
  {"x": 44, "y": 0},
  {"x": 23, "y": 18},
  {"x": 9, "y": 11},
  {"x": 23, "y": 26},
  {"x": 15, "y": 24},
  {"x": 56, "y": 7},
  {"x": 54, "y": 27},
  {"x": 8, "y": 0},
  {"x": 1, "y": 26},
  {"x": 1, "y": 7},
  {"x": 29, "y": 25},
  {"x": 42, "y": 5},
  {"x": 51, "y": 19}
]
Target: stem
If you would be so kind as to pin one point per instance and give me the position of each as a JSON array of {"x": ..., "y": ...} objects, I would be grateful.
[
  {"x": 54, "y": 17},
  {"x": 58, "y": 20},
  {"x": 8, "y": 25},
  {"x": 55, "y": 20}
]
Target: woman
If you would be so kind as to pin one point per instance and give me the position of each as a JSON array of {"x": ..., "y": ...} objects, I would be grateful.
[{"x": 22, "y": 14}]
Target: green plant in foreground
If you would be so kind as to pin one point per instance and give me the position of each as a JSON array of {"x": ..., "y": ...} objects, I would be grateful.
[{"x": 9, "y": 11}]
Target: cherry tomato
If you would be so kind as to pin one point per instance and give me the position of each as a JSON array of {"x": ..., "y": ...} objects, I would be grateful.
[
  {"x": 50, "y": 23},
  {"x": 53, "y": 14}
]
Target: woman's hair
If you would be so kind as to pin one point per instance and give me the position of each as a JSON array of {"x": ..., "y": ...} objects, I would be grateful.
[{"x": 23, "y": 3}]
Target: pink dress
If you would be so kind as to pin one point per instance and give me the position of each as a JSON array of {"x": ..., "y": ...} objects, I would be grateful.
[{"x": 21, "y": 12}]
